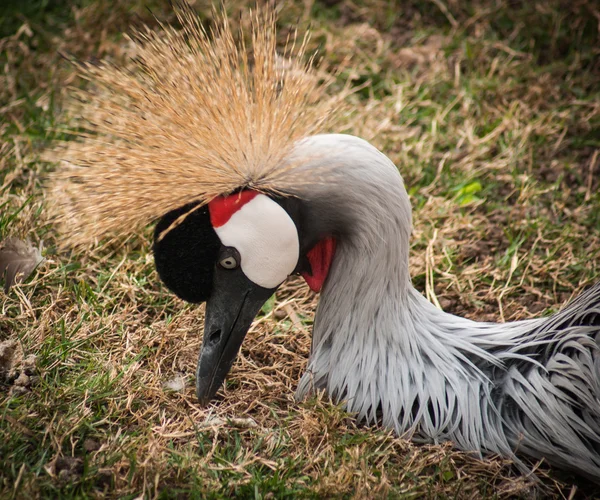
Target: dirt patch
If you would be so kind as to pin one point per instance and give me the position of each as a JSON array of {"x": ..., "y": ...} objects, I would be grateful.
[
  {"x": 7, "y": 355},
  {"x": 66, "y": 469},
  {"x": 17, "y": 372}
]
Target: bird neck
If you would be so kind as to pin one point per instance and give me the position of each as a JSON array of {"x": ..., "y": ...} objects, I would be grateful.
[{"x": 378, "y": 344}]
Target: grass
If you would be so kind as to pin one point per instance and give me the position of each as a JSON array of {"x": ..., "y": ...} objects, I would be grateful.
[{"x": 491, "y": 110}]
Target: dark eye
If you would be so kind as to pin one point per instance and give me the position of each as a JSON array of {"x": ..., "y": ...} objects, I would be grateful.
[
  {"x": 229, "y": 262},
  {"x": 229, "y": 258}
]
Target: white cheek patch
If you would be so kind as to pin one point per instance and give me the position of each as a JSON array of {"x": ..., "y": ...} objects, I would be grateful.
[{"x": 266, "y": 238}]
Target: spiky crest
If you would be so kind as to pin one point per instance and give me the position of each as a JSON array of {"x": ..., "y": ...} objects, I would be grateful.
[{"x": 197, "y": 114}]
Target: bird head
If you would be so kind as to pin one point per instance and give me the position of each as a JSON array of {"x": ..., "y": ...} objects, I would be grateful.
[
  {"x": 233, "y": 254},
  {"x": 200, "y": 132}
]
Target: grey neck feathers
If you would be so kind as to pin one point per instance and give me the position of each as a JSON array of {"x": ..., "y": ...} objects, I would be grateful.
[{"x": 392, "y": 357}]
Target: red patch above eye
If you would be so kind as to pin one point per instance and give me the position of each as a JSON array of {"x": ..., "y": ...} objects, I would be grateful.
[
  {"x": 320, "y": 257},
  {"x": 222, "y": 208}
]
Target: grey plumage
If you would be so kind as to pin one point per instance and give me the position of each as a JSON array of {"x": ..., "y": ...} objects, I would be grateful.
[{"x": 528, "y": 387}]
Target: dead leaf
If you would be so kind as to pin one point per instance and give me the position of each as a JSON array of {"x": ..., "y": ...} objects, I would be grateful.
[
  {"x": 238, "y": 422},
  {"x": 424, "y": 54},
  {"x": 18, "y": 259},
  {"x": 176, "y": 384}
]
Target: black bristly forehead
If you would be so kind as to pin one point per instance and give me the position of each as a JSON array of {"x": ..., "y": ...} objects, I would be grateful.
[{"x": 185, "y": 257}]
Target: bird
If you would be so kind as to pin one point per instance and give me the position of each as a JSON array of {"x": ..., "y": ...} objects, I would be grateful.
[{"x": 224, "y": 148}]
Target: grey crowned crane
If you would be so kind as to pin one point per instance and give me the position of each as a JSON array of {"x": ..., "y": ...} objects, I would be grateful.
[{"x": 221, "y": 146}]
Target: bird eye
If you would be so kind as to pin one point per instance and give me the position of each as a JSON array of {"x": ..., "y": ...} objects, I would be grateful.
[{"x": 229, "y": 262}]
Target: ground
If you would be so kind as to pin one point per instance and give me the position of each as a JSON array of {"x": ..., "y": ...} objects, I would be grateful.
[{"x": 491, "y": 111}]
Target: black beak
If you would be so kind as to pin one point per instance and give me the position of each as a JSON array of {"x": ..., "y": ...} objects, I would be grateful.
[{"x": 230, "y": 309}]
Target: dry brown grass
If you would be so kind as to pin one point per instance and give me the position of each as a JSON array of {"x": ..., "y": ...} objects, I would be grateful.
[{"x": 491, "y": 114}]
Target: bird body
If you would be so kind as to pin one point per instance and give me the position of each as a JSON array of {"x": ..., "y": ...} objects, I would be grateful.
[
  {"x": 531, "y": 386},
  {"x": 259, "y": 196}
]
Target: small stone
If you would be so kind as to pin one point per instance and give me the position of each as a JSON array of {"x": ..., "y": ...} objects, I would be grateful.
[
  {"x": 17, "y": 390},
  {"x": 279, "y": 314},
  {"x": 22, "y": 380},
  {"x": 445, "y": 303},
  {"x": 29, "y": 364},
  {"x": 7, "y": 349},
  {"x": 90, "y": 445}
]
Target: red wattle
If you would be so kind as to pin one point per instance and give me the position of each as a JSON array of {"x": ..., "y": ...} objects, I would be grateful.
[
  {"x": 320, "y": 258},
  {"x": 222, "y": 208}
]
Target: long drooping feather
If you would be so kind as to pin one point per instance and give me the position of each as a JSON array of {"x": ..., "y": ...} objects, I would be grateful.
[{"x": 195, "y": 115}]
